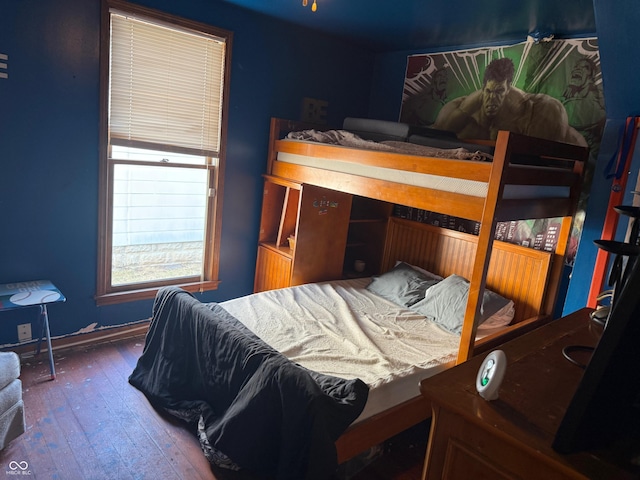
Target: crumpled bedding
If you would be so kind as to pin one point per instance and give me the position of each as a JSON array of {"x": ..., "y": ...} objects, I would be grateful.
[
  {"x": 349, "y": 139},
  {"x": 256, "y": 409},
  {"x": 343, "y": 329}
]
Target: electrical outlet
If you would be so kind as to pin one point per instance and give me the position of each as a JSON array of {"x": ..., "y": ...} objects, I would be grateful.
[{"x": 24, "y": 332}]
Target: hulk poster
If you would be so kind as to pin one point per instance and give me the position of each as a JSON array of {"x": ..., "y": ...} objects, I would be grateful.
[{"x": 551, "y": 89}]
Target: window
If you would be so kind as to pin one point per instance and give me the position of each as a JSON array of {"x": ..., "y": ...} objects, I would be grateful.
[{"x": 164, "y": 89}]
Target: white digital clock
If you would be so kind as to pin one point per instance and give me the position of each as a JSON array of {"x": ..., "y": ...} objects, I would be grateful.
[{"x": 491, "y": 374}]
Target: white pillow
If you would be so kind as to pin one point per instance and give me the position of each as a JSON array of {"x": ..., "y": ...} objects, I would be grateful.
[
  {"x": 426, "y": 273},
  {"x": 402, "y": 285},
  {"x": 502, "y": 317},
  {"x": 445, "y": 303}
]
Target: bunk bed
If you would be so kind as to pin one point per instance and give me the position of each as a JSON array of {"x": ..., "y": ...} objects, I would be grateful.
[
  {"x": 525, "y": 178},
  {"x": 528, "y": 178}
]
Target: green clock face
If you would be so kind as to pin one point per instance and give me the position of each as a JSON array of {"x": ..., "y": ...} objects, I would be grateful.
[
  {"x": 490, "y": 375},
  {"x": 488, "y": 372}
]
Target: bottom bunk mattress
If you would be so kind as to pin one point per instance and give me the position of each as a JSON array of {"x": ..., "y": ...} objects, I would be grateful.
[
  {"x": 344, "y": 329},
  {"x": 341, "y": 328}
]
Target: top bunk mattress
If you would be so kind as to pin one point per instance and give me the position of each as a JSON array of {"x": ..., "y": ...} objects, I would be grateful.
[{"x": 345, "y": 140}]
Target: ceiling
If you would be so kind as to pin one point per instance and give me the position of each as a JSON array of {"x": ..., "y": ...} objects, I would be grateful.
[{"x": 387, "y": 25}]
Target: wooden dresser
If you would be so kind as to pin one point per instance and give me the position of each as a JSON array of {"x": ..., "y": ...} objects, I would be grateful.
[{"x": 511, "y": 437}]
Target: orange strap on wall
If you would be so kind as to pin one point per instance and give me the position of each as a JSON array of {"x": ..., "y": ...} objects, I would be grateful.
[{"x": 623, "y": 164}]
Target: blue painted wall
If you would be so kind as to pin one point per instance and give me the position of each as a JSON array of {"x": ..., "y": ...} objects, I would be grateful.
[
  {"x": 49, "y": 142},
  {"x": 49, "y": 137},
  {"x": 616, "y": 24}
]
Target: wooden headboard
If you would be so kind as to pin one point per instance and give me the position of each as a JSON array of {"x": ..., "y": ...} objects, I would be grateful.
[{"x": 515, "y": 272}]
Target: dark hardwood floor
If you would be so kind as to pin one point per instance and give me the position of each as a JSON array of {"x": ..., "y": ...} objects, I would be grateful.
[{"x": 90, "y": 423}]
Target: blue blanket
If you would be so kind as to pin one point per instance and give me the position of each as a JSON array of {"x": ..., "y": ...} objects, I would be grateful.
[{"x": 254, "y": 406}]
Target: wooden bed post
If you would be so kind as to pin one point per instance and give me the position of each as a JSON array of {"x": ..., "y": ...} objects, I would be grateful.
[
  {"x": 276, "y": 127},
  {"x": 483, "y": 251}
]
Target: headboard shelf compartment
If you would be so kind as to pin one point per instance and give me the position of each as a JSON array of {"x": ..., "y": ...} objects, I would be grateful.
[{"x": 366, "y": 235}]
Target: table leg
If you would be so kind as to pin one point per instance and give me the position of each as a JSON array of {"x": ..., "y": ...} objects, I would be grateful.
[{"x": 44, "y": 318}]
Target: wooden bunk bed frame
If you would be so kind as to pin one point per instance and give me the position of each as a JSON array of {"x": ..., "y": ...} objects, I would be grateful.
[{"x": 529, "y": 277}]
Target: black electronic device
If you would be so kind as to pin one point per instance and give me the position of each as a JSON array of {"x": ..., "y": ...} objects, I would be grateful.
[{"x": 606, "y": 405}]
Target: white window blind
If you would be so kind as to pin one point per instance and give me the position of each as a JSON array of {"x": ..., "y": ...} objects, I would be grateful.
[{"x": 166, "y": 86}]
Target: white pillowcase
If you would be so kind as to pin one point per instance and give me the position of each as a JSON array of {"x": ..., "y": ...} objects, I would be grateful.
[
  {"x": 502, "y": 317},
  {"x": 426, "y": 273},
  {"x": 499, "y": 319},
  {"x": 445, "y": 303},
  {"x": 402, "y": 285}
]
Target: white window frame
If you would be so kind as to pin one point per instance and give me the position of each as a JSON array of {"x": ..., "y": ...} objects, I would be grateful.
[{"x": 106, "y": 292}]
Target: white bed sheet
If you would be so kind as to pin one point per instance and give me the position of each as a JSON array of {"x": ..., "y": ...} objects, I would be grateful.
[{"x": 353, "y": 333}]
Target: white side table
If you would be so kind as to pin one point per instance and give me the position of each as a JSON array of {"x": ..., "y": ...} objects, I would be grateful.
[{"x": 37, "y": 293}]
